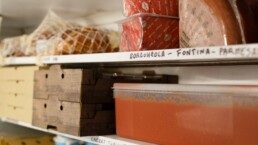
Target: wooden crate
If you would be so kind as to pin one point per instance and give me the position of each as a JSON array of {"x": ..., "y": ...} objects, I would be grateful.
[
  {"x": 16, "y": 92},
  {"x": 75, "y": 101},
  {"x": 60, "y": 103}
]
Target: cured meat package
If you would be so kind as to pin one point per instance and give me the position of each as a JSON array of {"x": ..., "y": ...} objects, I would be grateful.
[
  {"x": 159, "y": 7},
  {"x": 147, "y": 32},
  {"x": 51, "y": 25},
  {"x": 58, "y": 37},
  {"x": 14, "y": 46},
  {"x": 80, "y": 40}
]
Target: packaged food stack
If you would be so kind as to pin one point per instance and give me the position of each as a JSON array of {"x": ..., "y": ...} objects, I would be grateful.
[
  {"x": 212, "y": 23},
  {"x": 85, "y": 95},
  {"x": 151, "y": 25}
]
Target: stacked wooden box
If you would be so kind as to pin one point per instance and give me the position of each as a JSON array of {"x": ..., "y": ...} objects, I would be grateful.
[
  {"x": 62, "y": 101},
  {"x": 16, "y": 92}
]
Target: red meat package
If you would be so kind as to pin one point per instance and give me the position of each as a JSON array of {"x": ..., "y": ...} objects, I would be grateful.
[
  {"x": 159, "y": 7},
  {"x": 149, "y": 33}
]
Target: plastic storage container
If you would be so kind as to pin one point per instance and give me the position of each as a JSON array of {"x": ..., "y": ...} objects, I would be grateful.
[
  {"x": 148, "y": 32},
  {"x": 187, "y": 114},
  {"x": 159, "y": 7}
]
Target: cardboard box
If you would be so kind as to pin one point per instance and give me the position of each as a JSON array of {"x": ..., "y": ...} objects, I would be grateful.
[{"x": 187, "y": 114}]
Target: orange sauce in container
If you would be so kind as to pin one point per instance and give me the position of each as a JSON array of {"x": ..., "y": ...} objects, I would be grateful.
[{"x": 187, "y": 119}]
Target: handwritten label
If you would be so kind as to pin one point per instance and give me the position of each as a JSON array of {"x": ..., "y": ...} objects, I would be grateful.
[
  {"x": 194, "y": 52},
  {"x": 150, "y": 54},
  {"x": 50, "y": 59},
  {"x": 100, "y": 140},
  {"x": 242, "y": 51}
]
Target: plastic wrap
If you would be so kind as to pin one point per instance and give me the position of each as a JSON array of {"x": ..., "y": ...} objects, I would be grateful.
[
  {"x": 159, "y": 7},
  {"x": 206, "y": 115},
  {"x": 15, "y": 46},
  {"x": 146, "y": 32},
  {"x": 79, "y": 40},
  {"x": 246, "y": 20},
  {"x": 208, "y": 23}
]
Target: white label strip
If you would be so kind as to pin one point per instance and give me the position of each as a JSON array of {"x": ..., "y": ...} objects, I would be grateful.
[
  {"x": 19, "y": 60},
  {"x": 237, "y": 52}
]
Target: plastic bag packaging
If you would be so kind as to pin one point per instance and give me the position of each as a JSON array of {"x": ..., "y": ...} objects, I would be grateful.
[
  {"x": 159, "y": 7},
  {"x": 14, "y": 46},
  {"x": 79, "y": 40},
  {"x": 208, "y": 23},
  {"x": 49, "y": 27},
  {"x": 246, "y": 20},
  {"x": 147, "y": 32}
]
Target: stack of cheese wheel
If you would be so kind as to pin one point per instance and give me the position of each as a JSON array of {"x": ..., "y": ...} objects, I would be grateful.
[
  {"x": 208, "y": 23},
  {"x": 151, "y": 25},
  {"x": 212, "y": 23}
]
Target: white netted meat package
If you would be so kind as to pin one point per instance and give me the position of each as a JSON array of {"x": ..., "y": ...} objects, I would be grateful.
[
  {"x": 50, "y": 26},
  {"x": 79, "y": 40}
]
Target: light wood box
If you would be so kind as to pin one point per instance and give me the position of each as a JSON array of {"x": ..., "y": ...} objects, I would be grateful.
[{"x": 16, "y": 92}]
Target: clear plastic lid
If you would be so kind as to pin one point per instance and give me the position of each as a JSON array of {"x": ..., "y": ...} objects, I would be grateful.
[{"x": 187, "y": 88}]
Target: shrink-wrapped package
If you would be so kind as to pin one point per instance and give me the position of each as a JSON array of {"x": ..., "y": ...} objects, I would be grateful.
[
  {"x": 147, "y": 32},
  {"x": 158, "y": 7}
]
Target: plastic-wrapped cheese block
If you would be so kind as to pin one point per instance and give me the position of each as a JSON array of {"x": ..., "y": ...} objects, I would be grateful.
[
  {"x": 208, "y": 23},
  {"x": 159, "y": 7},
  {"x": 246, "y": 19},
  {"x": 145, "y": 32},
  {"x": 80, "y": 41}
]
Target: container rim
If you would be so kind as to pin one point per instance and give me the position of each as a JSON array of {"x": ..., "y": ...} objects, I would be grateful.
[{"x": 173, "y": 88}]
